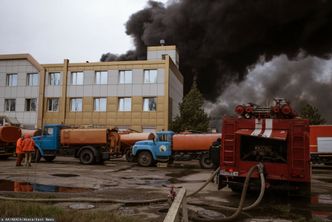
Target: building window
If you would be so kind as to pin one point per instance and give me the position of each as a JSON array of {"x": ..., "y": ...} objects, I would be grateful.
[
  {"x": 125, "y": 104},
  {"x": 76, "y": 104},
  {"x": 76, "y": 78},
  {"x": 150, "y": 76},
  {"x": 11, "y": 79},
  {"x": 32, "y": 79},
  {"x": 54, "y": 79},
  {"x": 101, "y": 77},
  {"x": 149, "y": 104},
  {"x": 10, "y": 105},
  {"x": 125, "y": 76},
  {"x": 99, "y": 104},
  {"x": 30, "y": 104},
  {"x": 53, "y": 104}
]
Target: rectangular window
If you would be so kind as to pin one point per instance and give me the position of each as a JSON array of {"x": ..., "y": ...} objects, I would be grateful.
[
  {"x": 76, "y": 104},
  {"x": 100, "y": 104},
  {"x": 10, "y": 105},
  {"x": 76, "y": 78},
  {"x": 125, "y": 76},
  {"x": 150, "y": 76},
  {"x": 149, "y": 104},
  {"x": 53, "y": 104},
  {"x": 54, "y": 78},
  {"x": 32, "y": 79},
  {"x": 125, "y": 104},
  {"x": 11, "y": 79},
  {"x": 30, "y": 104},
  {"x": 101, "y": 77}
]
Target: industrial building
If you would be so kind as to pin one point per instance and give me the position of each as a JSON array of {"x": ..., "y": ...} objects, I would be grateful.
[{"x": 141, "y": 95}]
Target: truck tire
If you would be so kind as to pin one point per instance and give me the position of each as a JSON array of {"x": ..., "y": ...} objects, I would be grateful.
[
  {"x": 129, "y": 156},
  {"x": 4, "y": 157},
  {"x": 145, "y": 159},
  {"x": 49, "y": 158},
  {"x": 37, "y": 156},
  {"x": 87, "y": 156},
  {"x": 205, "y": 161}
]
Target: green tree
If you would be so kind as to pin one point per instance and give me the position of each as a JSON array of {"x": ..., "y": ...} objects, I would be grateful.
[
  {"x": 192, "y": 116},
  {"x": 311, "y": 112}
]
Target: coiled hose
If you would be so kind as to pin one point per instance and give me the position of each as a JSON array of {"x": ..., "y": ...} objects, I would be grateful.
[{"x": 238, "y": 210}]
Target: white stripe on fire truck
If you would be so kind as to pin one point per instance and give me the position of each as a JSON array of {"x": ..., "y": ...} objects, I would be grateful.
[
  {"x": 258, "y": 127},
  {"x": 268, "y": 128}
]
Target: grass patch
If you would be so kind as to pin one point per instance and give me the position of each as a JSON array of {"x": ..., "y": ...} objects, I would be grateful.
[{"x": 20, "y": 209}]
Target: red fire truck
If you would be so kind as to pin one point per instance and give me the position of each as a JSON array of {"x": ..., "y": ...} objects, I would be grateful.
[{"x": 273, "y": 136}]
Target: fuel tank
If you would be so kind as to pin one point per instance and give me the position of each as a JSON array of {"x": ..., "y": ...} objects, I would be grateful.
[
  {"x": 9, "y": 134},
  {"x": 84, "y": 136},
  {"x": 131, "y": 138},
  {"x": 194, "y": 142}
]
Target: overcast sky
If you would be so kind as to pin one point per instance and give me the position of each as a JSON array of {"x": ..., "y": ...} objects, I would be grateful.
[{"x": 78, "y": 30}]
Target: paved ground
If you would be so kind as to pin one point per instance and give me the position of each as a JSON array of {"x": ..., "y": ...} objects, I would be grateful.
[{"x": 118, "y": 179}]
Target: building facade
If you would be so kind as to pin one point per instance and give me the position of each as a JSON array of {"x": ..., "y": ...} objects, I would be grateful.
[{"x": 141, "y": 95}]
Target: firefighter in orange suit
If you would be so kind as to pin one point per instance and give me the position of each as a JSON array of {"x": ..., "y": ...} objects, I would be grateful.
[
  {"x": 19, "y": 152},
  {"x": 28, "y": 147}
]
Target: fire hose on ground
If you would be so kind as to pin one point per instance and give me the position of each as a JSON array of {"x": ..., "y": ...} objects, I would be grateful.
[
  {"x": 240, "y": 208},
  {"x": 137, "y": 202}
]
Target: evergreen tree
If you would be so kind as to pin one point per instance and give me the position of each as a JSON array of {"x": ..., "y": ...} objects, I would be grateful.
[
  {"x": 192, "y": 116},
  {"x": 311, "y": 112}
]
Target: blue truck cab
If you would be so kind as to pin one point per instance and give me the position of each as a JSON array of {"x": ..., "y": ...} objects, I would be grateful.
[
  {"x": 48, "y": 144},
  {"x": 149, "y": 151}
]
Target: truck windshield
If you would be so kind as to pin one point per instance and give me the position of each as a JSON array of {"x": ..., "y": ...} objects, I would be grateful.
[
  {"x": 48, "y": 131},
  {"x": 164, "y": 137}
]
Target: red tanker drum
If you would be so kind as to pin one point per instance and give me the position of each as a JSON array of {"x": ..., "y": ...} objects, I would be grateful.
[
  {"x": 239, "y": 109},
  {"x": 286, "y": 109},
  {"x": 9, "y": 134}
]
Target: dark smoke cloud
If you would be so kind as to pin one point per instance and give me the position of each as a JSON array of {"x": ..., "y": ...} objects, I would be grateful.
[
  {"x": 218, "y": 40},
  {"x": 302, "y": 80}
]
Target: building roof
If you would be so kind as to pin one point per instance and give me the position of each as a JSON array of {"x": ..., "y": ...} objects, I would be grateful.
[{"x": 22, "y": 57}]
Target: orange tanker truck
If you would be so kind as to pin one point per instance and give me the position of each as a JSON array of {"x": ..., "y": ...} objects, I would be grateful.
[
  {"x": 8, "y": 137},
  {"x": 168, "y": 145},
  {"x": 89, "y": 145}
]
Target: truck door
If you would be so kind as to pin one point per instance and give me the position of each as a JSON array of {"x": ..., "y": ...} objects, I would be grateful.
[
  {"x": 163, "y": 148},
  {"x": 49, "y": 140}
]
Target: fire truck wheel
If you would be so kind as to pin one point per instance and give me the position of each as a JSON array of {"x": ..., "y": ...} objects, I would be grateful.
[
  {"x": 145, "y": 158},
  {"x": 87, "y": 156},
  {"x": 49, "y": 158},
  {"x": 205, "y": 162}
]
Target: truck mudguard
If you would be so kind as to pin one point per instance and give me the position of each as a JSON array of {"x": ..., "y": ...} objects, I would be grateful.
[{"x": 137, "y": 148}]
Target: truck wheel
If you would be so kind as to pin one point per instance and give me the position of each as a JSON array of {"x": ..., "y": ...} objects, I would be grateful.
[
  {"x": 4, "y": 157},
  {"x": 129, "y": 156},
  {"x": 87, "y": 157},
  {"x": 145, "y": 158},
  {"x": 205, "y": 161},
  {"x": 49, "y": 158},
  {"x": 37, "y": 156}
]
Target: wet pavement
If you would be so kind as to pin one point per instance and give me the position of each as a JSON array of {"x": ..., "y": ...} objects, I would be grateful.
[{"x": 119, "y": 179}]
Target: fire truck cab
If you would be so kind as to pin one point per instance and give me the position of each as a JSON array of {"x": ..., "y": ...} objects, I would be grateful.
[{"x": 280, "y": 141}]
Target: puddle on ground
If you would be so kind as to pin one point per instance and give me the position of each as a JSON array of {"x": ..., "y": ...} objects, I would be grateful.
[
  {"x": 15, "y": 186},
  {"x": 317, "y": 207},
  {"x": 64, "y": 175},
  {"x": 182, "y": 173}
]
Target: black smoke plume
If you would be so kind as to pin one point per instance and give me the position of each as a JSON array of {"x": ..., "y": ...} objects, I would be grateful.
[
  {"x": 219, "y": 40},
  {"x": 301, "y": 81}
]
